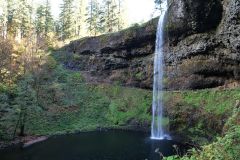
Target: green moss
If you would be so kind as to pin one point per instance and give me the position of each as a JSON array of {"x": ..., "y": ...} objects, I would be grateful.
[
  {"x": 218, "y": 102},
  {"x": 139, "y": 75},
  {"x": 77, "y": 57}
]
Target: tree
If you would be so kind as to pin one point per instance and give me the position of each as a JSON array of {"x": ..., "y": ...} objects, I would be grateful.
[
  {"x": 40, "y": 21},
  {"x": 6, "y": 49},
  {"x": 3, "y": 19},
  {"x": 120, "y": 13},
  {"x": 48, "y": 19},
  {"x": 79, "y": 18},
  {"x": 57, "y": 28},
  {"x": 111, "y": 15},
  {"x": 19, "y": 16},
  {"x": 66, "y": 19},
  {"x": 92, "y": 17},
  {"x": 25, "y": 102},
  {"x": 44, "y": 24},
  {"x": 7, "y": 117},
  {"x": 12, "y": 19},
  {"x": 25, "y": 13}
]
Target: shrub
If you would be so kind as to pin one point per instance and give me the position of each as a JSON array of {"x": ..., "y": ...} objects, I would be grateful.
[
  {"x": 51, "y": 63},
  {"x": 225, "y": 148}
]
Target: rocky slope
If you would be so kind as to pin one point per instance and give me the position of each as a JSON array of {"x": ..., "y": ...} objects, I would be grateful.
[{"x": 202, "y": 49}]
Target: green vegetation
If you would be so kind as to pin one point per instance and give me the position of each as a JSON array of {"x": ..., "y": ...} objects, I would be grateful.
[
  {"x": 23, "y": 20},
  {"x": 86, "y": 108},
  {"x": 218, "y": 102},
  {"x": 224, "y": 148},
  {"x": 54, "y": 100},
  {"x": 66, "y": 104},
  {"x": 200, "y": 115}
]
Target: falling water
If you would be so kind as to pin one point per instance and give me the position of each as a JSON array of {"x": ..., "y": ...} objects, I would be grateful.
[{"x": 157, "y": 131}]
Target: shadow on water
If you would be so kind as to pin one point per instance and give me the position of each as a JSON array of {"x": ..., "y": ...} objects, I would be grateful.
[{"x": 110, "y": 145}]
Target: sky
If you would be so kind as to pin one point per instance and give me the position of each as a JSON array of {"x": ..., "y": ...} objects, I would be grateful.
[{"x": 137, "y": 10}]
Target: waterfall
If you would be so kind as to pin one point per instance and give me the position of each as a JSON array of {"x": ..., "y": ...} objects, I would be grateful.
[{"x": 157, "y": 131}]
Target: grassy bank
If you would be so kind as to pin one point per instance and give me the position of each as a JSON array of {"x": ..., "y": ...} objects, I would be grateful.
[
  {"x": 225, "y": 147},
  {"x": 66, "y": 104},
  {"x": 202, "y": 114}
]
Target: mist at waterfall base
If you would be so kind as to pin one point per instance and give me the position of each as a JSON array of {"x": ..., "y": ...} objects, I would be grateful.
[
  {"x": 109, "y": 145},
  {"x": 157, "y": 131}
]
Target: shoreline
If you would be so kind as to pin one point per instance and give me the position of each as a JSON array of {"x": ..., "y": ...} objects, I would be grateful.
[{"x": 23, "y": 142}]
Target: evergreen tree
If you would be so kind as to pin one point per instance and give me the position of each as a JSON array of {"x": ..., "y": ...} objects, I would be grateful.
[
  {"x": 40, "y": 20},
  {"x": 79, "y": 18},
  {"x": 12, "y": 18},
  {"x": 8, "y": 117},
  {"x": 66, "y": 19},
  {"x": 3, "y": 18},
  {"x": 111, "y": 15},
  {"x": 92, "y": 17},
  {"x": 6, "y": 49},
  {"x": 44, "y": 23},
  {"x": 25, "y": 102},
  {"x": 120, "y": 14},
  {"x": 19, "y": 17},
  {"x": 25, "y": 13},
  {"x": 48, "y": 19},
  {"x": 57, "y": 28},
  {"x": 101, "y": 20}
]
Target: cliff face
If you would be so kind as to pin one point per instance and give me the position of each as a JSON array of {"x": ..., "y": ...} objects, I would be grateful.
[
  {"x": 202, "y": 49},
  {"x": 124, "y": 57},
  {"x": 204, "y": 39}
]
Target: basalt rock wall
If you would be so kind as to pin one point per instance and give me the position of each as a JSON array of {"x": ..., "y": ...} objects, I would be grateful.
[{"x": 202, "y": 49}]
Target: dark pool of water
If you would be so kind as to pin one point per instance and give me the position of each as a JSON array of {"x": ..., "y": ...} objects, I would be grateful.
[{"x": 111, "y": 145}]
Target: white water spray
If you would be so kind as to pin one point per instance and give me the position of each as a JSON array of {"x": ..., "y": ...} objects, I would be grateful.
[{"x": 157, "y": 131}]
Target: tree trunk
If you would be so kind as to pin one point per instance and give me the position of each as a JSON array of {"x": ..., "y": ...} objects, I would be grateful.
[{"x": 22, "y": 127}]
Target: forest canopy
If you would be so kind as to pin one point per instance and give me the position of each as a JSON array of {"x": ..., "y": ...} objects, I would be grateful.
[{"x": 76, "y": 19}]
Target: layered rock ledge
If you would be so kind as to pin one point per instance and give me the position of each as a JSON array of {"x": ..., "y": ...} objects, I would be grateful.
[{"x": 202, "y": 49}]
